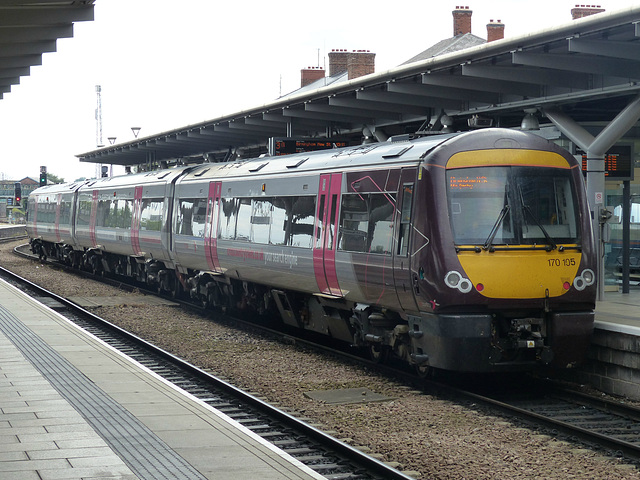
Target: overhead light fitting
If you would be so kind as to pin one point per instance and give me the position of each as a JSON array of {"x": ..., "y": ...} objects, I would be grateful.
[{"x": 530, "y": 121}]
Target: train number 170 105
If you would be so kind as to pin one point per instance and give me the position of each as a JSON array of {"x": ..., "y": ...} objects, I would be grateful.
[{"x": 561, "y": 262}]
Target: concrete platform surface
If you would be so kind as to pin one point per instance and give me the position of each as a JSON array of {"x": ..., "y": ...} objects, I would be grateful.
[
  {"x": 72, "y": 407},
  {"x": 619, "y": 312}
]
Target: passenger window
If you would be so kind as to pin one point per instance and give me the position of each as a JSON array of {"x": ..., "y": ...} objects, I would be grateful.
[
  {"x": 151, "y": 214},
  {"x": 366, "y": 223},
  {"x": 228, "y": 224},
  {"x": 299, "y": 226},
  {"x": 354, "y": 223},
  {"x": 381, "y": 223},
  {"x": 243, "y": 220},
  {"x": 280, "y": 210},
  {"x": 260, "y": 221}
]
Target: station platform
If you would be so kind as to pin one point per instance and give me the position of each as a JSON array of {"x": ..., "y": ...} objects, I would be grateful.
[
  {"x": 619, "y": 312},
  {"x": 8, "y": 230},
  {"x": 72, "y": 407}
]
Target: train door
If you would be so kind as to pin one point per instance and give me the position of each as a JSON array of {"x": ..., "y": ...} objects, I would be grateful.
[
  {"x": 57, "y": 224},
  {"x": 325, "y": 240},
  {"x": 93, "y": 217},
  {"x": 135, "y": 220},
  {"x": 211, "y": 226},
  {"x": 403, "y": 278}
]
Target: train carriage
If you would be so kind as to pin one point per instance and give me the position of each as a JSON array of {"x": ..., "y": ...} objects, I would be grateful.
[
  {"x": 121, "y": 223},
  {"x": 468, "y": 252},
  {"x": 50, "y": 219}
]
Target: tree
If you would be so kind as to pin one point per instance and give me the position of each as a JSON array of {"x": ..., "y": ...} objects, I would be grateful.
[{"x": 51, "y": 178}]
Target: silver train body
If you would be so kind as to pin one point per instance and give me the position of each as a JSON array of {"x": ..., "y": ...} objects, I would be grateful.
[{"x": 384, "y": 246}]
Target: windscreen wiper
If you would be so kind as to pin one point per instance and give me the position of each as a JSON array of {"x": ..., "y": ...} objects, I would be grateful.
[
  {"x": 550, "y": 241},
  {"x": 494, "y": 231}
]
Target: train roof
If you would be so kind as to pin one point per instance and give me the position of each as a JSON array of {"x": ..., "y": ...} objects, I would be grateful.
[
  {"x": 136, "y": 179},
  {"x": 57, "y": 188},
  {"x": 359, "y": 156}
]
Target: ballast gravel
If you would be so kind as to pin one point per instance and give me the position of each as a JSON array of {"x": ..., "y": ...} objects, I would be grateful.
[{"x": 423, "y": 435}]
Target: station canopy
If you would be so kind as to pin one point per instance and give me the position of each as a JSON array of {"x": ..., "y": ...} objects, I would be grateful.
[
  {"x": 589, "y": 69},
  {"x": 29, "y": 28}
]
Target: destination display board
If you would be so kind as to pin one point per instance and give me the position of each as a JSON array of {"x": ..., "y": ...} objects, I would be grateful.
[
  {"x": 618, "y": 162},
  {"x": 287, "y": 146}
]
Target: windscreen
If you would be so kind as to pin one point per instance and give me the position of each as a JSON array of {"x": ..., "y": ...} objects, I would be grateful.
[{"x": 509, "y": 205}]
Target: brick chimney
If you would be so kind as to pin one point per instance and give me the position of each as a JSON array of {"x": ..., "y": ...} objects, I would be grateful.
[
  {"x": 360, "y": 62},
  {"x": 337, "y": 61},
  {"x": 495, "y": 30},
  {"x": 357, "y": 62},
  {"x": 310, "y": 74},
  {"x": 585, "y": 10},
  {"x": 461, "y": 21}
]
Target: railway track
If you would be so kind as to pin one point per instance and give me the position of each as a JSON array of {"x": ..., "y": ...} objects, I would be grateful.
[
  {"x": 333, "y": 459},
  {"x": 597, "y": 422}
]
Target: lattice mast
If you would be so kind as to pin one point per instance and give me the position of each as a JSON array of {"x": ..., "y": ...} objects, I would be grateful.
[
  {"x": 99, "y": 116},
  {"x": 99, "y": 143}
]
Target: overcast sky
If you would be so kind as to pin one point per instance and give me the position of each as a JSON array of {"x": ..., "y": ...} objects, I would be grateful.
[{"x": 164, "y": 64}]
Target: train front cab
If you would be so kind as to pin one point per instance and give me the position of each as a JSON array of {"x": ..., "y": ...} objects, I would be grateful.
[{"x": 507, "y": 281}]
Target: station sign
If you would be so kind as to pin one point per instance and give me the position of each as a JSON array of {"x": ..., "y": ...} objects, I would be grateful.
[
  {"x": 618, "y": 162},
  {"x": 289, "y": 145}
]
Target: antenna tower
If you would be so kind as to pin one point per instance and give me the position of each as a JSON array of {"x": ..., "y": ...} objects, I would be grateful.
[
  {"x": 99, "y": 117},
  {"x": 99, "y": 143}
]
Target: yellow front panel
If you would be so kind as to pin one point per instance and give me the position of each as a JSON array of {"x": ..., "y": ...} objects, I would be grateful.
[
  {"x": 521, "y": 274},
  {"x": 507, "y": 156}
]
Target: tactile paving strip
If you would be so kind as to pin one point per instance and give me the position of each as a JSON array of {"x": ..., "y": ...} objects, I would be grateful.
[{"x": 145, "y": 454}]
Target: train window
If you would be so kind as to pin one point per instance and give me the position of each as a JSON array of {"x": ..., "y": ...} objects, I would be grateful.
[
  {"x": 354, "y": 223},
  {"x": 405, "y": 219},
  {"x": 381, "y": 223},
  {"x": 299, "y": 225},
  {"x": 512, "y": 205},
  {"x": 125, "y": 212},
  {"x": 320, "y": 222},
  {"x": 260, "y": 220},
  {"x": 366, "y": 223},
  {"x": 548, "y": 207},
  {"x": 190, "y": 219},
  {"x": 65, "y": 212},
  {"x": 280, "y": 210},
  {"x": 274, "y": 221},
  {"x": 477, "y": 200},
  {"x": 243, "y": 219},
  {"x": 102, "y": 214},
  {"x": 151, "y": 214},
  {"x": 227, "y": 230},
  {"x": 198, "y": 217},
  {"x": 84, "y": 209}
]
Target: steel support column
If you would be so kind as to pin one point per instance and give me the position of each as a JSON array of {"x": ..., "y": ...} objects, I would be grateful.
[{"x": 596, "y": 148}]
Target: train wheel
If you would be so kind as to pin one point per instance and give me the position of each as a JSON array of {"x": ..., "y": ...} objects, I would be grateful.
[
  {"x": 176, "y": 289},
  {"x": 424, "y": 371},
  {"x": 378, "y": 353}
]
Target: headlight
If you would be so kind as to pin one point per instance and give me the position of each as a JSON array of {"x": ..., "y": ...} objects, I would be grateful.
[
  {"x": 454, "y": 279},
  {"x": 589, "y": 277},
  {"x": 586, "y": 279},
  {"x": 465, "y": 285}
]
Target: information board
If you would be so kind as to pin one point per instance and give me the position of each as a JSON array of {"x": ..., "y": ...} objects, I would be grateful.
[
  {"x": 287, "y": 146},
  {"x": 618, "y": 162}
]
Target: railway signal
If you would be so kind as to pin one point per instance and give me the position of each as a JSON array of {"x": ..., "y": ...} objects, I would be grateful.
[
  {"x": 43, "y": 176},
  {"x": 17, "y": 193}
]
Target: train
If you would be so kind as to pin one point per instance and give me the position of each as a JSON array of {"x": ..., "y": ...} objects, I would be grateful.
[{"x": 467, "y": 252}]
